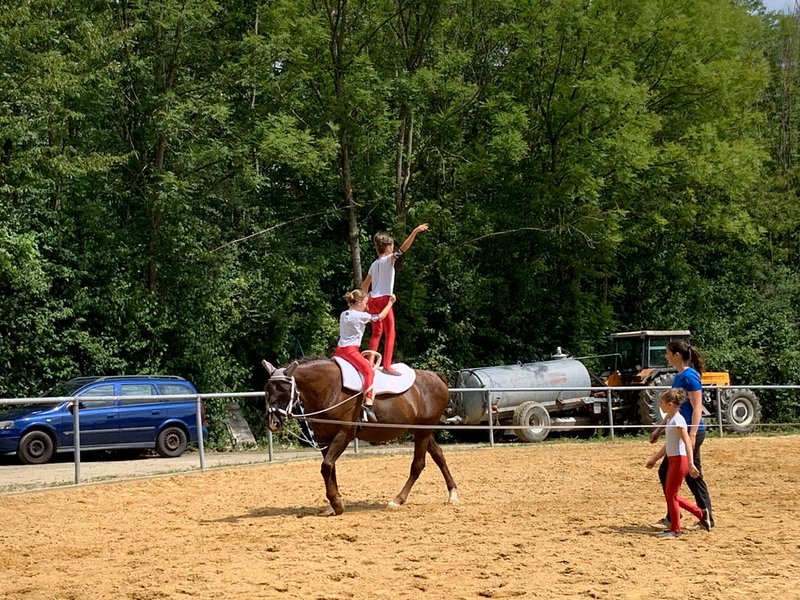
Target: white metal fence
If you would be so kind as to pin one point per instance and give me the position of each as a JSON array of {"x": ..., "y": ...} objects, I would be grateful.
[{"x": 491, "y": 427}]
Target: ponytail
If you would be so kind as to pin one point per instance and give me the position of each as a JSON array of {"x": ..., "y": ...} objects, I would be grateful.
[
  {"x": 698, "y": 362},
  {"x": 354, "y": 297}
]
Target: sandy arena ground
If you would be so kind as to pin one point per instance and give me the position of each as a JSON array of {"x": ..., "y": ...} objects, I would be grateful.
[{"x": 552, "y": 520}]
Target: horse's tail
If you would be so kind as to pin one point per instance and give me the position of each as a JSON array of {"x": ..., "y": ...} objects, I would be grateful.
[{"x": 442, "y": 377}]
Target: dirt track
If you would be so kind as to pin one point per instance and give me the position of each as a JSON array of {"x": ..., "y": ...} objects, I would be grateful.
[{"x": 540, "y": 521}]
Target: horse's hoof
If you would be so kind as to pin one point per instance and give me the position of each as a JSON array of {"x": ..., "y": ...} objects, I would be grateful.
[
  {"x": 393, "y": 505},
  {"x": 453, "y": 499},
  {"x": 328, "y": 512}
]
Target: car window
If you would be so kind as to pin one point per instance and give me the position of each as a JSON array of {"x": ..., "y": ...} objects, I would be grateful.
[
  {"x": 173, "y": 389},
  {"x": 138, "y": 389},
  {"x": 99, "y": 390}
]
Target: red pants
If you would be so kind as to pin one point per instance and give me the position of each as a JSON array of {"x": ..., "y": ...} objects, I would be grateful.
[
  {"x": 375, "y": 306},
  {"x": 678, "y": 470},
  {"x": 352, "y": 355}
]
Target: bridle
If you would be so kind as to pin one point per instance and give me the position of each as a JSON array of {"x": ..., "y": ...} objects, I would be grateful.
[
  {"x": 294, "y": 397},
  {"x": 284, "y": 414}
]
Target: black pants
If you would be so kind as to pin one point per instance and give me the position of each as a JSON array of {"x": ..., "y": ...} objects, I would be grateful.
[{"x": 697, "y": 485}]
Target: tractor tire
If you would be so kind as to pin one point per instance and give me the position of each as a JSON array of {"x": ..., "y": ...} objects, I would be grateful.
[
  {"x": 741, "y": 410},
  {"x": 649, "y": 410},
  {"x": 534, "y": 419}
]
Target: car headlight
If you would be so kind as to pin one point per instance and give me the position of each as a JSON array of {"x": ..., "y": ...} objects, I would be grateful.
[{"x": 6, "y": 424}]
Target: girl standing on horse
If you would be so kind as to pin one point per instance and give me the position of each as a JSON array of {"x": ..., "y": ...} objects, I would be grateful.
[
  {"x": 381, "y": 278},
  {"x": 351, "y": 329}
]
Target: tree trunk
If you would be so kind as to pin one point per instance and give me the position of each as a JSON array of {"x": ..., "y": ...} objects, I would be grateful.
[{"x": 405, "y": 148}]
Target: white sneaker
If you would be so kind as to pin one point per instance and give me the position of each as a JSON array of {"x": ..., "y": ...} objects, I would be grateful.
[{"x": 662, "y": 523}]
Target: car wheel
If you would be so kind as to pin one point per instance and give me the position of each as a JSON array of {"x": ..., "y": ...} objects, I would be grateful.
[
  {"x": 35, "y": 448},
  {"x": 171, "y": 442}
]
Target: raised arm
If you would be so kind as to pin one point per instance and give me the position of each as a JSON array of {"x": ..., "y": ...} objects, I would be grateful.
[{"x": 410, "y": 239}]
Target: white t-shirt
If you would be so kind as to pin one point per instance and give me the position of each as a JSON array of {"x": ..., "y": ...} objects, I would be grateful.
[
  {"x": 675, "y": 445},
  {"x": 351, "y": 326},
  {"x": 382, "y": 273}
]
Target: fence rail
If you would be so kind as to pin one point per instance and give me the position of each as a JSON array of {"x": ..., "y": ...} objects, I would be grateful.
[{"x": 491, "y": 426}]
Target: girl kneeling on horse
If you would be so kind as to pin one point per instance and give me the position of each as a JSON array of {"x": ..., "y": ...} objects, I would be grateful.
[{"x": 352, "y": 323}]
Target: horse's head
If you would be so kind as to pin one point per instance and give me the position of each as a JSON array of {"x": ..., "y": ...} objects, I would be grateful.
[{"x": 281, "y": 394}]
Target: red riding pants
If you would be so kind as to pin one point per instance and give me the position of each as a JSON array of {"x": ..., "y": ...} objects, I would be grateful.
[
  {"x": 352, "y": 355},
  {"x": 375, "y": 306},
  {"x": 678, "y": 470}
]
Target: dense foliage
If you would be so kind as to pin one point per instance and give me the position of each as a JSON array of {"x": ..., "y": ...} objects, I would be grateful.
[{"x": 188, "y": 186}]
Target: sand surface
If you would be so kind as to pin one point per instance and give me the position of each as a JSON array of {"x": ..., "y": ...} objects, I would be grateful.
[{"x": 552, "y": 520}]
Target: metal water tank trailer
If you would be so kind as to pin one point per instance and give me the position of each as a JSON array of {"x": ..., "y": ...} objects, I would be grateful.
[{"x": 559, "y": 375}]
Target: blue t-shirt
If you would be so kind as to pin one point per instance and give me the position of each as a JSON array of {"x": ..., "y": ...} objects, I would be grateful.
[{"x": 689, "y": 381}]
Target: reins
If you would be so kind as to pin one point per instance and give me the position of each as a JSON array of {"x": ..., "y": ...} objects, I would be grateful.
[
  {"x": 296, "y": 401},
  {"x": 294, "y": 398}
]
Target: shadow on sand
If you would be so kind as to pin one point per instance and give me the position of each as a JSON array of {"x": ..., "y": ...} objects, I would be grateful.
[{"x": 298, "y": 511}]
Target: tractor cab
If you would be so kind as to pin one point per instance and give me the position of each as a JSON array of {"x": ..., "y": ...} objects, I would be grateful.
[
  {"x": 640, "y": 355},
  {"x": 639, "y": 359}
]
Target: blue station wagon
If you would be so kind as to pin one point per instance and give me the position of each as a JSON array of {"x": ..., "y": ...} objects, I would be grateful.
[{"x": 35, "y": 431}]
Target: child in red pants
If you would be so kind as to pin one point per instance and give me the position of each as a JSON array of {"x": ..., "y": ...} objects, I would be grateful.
[
  {"x": 351, "y": 329},
  {"x": 381, "y": 278},
  {"x": 679, "y": 451}
]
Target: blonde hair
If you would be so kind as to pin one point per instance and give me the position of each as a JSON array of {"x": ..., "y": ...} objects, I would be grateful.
[
  {"x": 382, "y": 241},
  {"x": 674, "y": 396},
  {"x": 354, "y": 297}
]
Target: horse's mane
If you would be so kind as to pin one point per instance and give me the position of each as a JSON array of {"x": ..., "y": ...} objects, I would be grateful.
[{"x": 310, "y": 359}]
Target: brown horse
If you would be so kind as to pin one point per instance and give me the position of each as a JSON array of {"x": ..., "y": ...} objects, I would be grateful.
[{"x": 317, "y": 383}]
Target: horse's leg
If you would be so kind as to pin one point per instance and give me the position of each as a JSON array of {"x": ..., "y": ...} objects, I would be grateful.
[
  {"x": 438, "y": 457},
  {"x": 421, "y": 439},
  {"x": 328, "y": 469},
  {"x": 329, "y": 510}
]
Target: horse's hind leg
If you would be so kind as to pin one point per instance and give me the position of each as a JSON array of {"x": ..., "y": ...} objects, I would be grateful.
[
  {"x": 421, "y": 439},
  {"x": 328, "y": 469},
  {"x": 438, "y": 457}
]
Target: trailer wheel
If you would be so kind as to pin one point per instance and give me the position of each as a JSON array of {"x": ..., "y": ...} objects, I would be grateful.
[
  {"x": 534, "y": 418},
  {"x": 741, "y": 410},
  {"x": 649, "y": 410}
]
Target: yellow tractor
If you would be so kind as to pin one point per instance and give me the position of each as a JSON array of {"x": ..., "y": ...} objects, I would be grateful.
[{"x": 639, "y": 359}]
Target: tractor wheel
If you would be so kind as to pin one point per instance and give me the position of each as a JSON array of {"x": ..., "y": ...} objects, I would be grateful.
[
  {"x": 534, "y": 418},
  {"x": 741, "y": 410},
  {"x": 649, "y": 410}
]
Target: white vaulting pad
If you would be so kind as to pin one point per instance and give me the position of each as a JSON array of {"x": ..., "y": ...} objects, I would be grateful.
[{"x": 384, "y": 384}]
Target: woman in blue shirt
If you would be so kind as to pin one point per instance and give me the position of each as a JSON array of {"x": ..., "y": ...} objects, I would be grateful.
[{"x": 690, "y": 365}]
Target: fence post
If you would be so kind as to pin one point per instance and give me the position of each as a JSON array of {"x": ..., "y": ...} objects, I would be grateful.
[
  {"x": 199, "y": 419},
  {"x": 719, "y": 410},
  {"x": 77, "y": 434},
  {"x": 491, "y": 424},
  {"x": 610, "y": 413}
]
